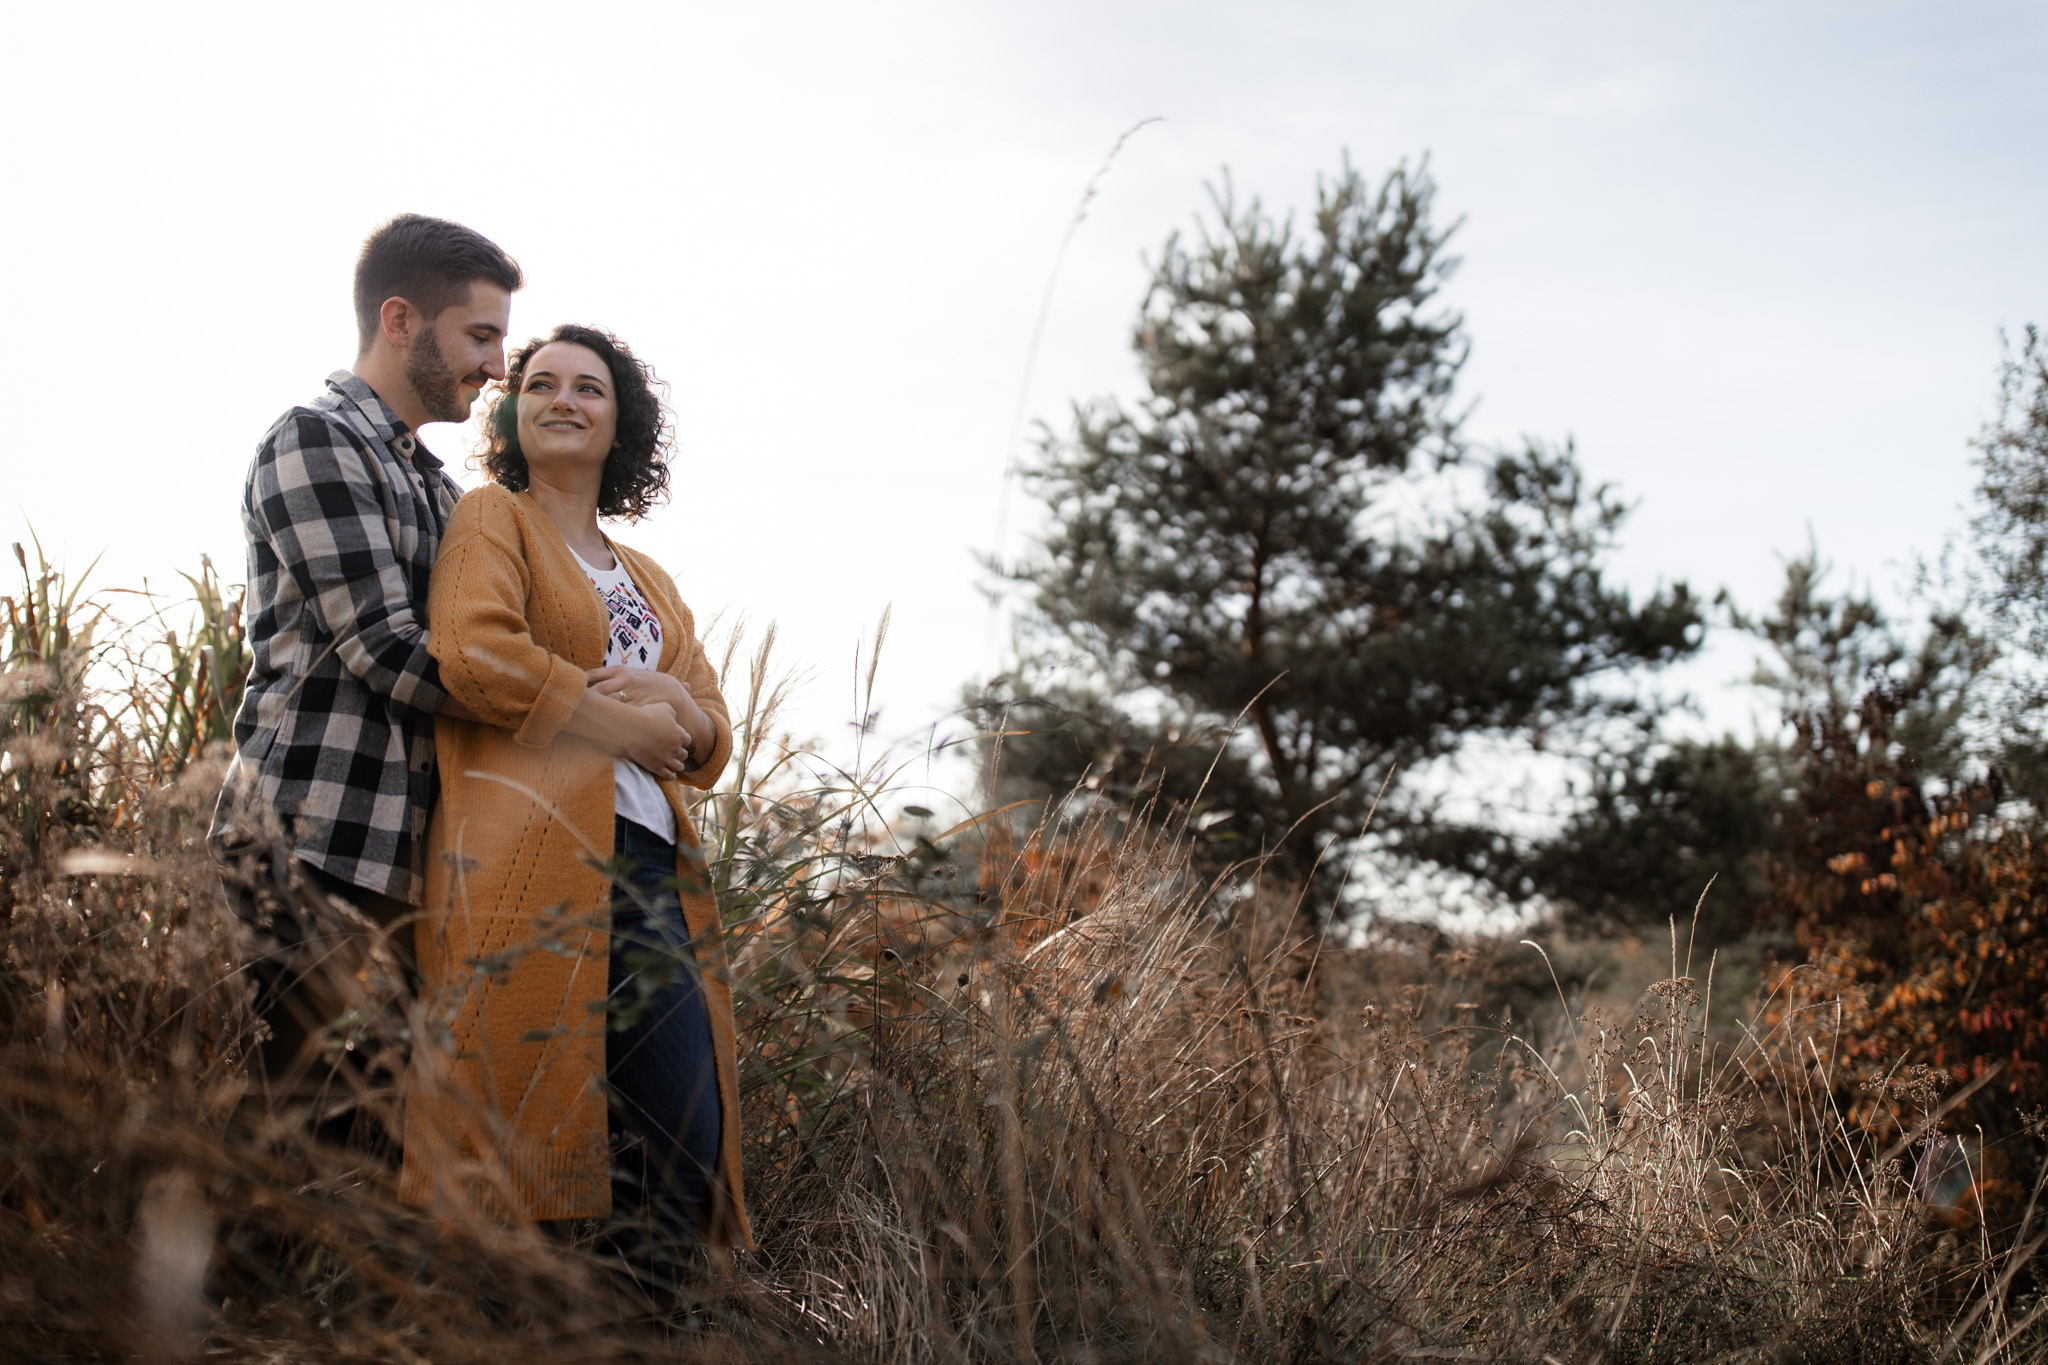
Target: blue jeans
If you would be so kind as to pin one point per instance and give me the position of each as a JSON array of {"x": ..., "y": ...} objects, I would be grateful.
[{"x": 666, "y": 1119}]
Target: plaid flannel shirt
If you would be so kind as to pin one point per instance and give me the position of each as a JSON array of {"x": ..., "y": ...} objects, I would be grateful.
[{"x": 343, "y": 512}]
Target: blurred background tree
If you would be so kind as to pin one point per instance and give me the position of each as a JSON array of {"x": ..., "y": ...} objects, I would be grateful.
[
  {"x": 2006, "y": 578},
  {"x": 1662, "y": 819},
  {"x": 1282, "y": 576},
  {"x": 1911, "y": 868}
]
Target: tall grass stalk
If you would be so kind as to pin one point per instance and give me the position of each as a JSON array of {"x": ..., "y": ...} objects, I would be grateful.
[{"x": 1024, "y": 1088}]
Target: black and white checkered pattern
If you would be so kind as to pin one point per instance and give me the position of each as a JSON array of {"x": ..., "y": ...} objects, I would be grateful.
[{"x": 343, "y": 513}]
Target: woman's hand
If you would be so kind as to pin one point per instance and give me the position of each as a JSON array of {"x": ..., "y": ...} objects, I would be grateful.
[
  {"x": 645, "y": 686},
  {"x": 656, "y": 740},
  {"x": 649, "y": 735}
]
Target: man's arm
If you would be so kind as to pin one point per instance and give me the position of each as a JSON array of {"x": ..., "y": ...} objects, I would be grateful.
[{"x": 314, "y": 497}]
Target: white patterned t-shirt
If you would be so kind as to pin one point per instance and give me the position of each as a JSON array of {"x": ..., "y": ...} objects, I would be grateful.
[{"x": 635, "y": 641}]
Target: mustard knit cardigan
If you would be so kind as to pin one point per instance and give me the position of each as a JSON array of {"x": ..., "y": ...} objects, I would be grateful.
[{"x": 505, "y": 1103}]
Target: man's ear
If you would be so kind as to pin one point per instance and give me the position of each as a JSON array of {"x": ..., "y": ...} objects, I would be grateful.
[{"x": 398, "y": 322}]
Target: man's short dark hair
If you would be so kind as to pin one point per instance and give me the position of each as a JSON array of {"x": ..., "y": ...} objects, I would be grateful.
[{"x": 428, "y": 262}]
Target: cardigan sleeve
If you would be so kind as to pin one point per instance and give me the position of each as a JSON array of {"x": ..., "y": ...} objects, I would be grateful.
[
  {"x": 481, "y": 638},
  {"x": 693, "y": 667},
  {"x": 702, "y": 679}
]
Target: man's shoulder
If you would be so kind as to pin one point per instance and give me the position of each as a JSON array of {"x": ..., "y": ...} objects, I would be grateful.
[{"x": 332, "y": 417}]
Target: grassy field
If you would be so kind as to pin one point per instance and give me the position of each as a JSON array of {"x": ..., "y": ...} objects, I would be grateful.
[{"x": 1026, "y": 1089}]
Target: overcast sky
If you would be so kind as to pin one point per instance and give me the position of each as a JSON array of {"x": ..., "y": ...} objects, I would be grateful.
[{"x": 1755, "y": 258}]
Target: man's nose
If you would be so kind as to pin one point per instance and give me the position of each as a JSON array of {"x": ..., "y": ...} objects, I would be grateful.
[{"x": 494, "y": 363}]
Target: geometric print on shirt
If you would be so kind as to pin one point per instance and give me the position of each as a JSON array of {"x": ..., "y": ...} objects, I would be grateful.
[{"x": 636, "y": 630}]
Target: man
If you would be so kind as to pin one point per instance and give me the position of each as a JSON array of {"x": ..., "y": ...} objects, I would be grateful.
[{"x": 343, "y": 511}]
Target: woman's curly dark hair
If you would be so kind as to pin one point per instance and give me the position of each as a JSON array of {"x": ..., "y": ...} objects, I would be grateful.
[{"x": 636, "y": 471}]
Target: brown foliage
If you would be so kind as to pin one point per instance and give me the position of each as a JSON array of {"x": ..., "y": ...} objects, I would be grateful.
[{"x": 1916, "y": 907}]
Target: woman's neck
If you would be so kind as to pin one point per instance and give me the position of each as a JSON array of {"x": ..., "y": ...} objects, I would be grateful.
[{"x": 573, "y": 510}]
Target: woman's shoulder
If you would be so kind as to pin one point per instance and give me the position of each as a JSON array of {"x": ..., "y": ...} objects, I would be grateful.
[
  {"x": 489, "y": 496},
  {"x": 487, "y": 507}
]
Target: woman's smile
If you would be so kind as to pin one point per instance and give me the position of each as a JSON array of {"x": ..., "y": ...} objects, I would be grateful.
[{"x": 568, "y": 411}]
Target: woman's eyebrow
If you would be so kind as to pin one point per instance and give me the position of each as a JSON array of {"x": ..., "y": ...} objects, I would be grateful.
[{"x": 550, "y": 374}]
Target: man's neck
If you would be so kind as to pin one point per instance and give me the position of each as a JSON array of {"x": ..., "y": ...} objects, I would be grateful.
[{"x": 384, "y": 372}]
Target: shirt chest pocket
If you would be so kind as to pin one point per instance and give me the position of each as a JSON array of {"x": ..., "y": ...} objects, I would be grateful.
[
  {"x": 405, "y": 519},
  {"x": 414, "y": 529}
]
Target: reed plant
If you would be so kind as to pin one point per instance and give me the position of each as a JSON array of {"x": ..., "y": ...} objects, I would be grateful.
[{"x": 1017, "y": 1086}]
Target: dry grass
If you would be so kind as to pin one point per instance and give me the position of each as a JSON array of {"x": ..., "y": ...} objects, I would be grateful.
[{"x": 1172, "y": 1130}]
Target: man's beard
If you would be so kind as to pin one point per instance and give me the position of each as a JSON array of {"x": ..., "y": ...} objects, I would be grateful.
[{"x": 434, "y": 381}]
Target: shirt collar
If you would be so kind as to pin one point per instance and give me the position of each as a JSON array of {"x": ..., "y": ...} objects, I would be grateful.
[{"x": 389, "y": 428}]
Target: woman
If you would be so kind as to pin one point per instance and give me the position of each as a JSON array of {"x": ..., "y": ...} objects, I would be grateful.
[{"x": 568, "y": 933}]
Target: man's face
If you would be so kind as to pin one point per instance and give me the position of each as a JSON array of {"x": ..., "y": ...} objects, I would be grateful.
[{"x": 456, "y": 354}]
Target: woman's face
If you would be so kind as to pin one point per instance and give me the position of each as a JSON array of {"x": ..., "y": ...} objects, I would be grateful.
[{"x": 568, "y": 411}]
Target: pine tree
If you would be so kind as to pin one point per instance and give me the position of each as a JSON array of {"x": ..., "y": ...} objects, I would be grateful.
[{"x": 1284, "y": 571}]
